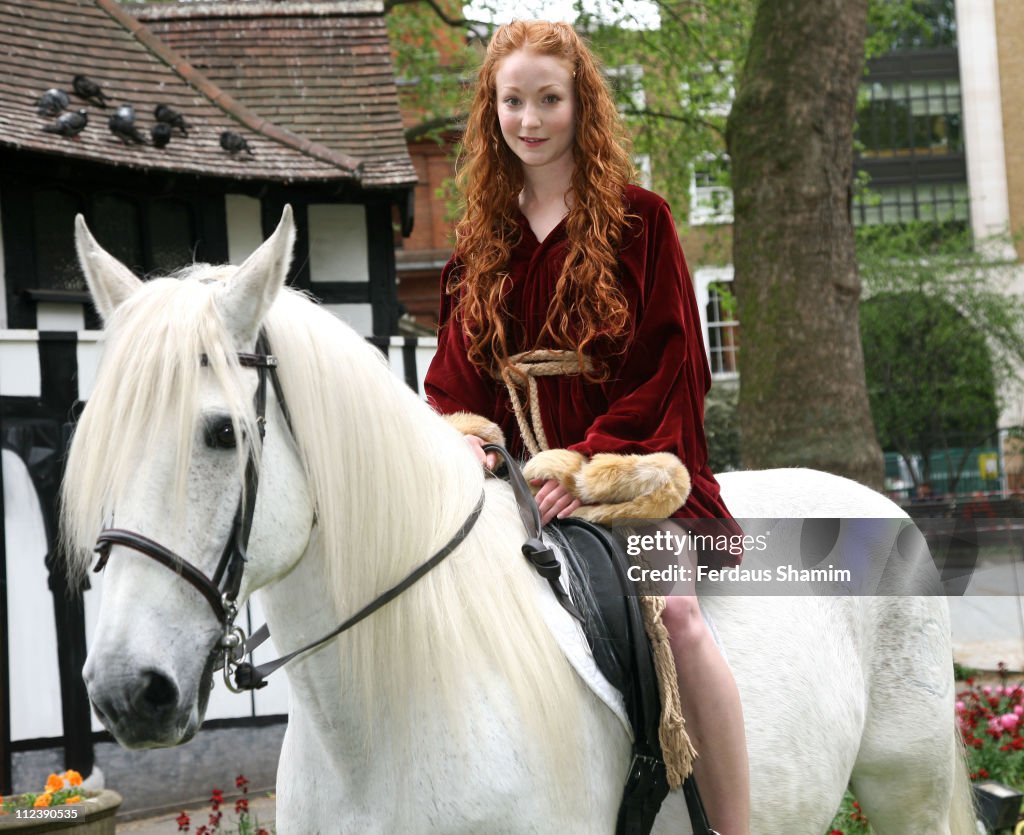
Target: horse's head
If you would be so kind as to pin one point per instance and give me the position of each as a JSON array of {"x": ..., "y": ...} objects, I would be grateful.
[{"x": 162, "y": 450}]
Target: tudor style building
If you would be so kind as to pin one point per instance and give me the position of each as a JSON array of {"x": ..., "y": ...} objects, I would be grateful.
[{"x": 309, "y": 86}]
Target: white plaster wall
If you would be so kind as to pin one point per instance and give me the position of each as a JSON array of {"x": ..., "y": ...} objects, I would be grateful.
[
  {"x": 89, "y": 350},
  {"x": 338, "y": 248},
  {"x": 19, "y": 364},
  {"x": 53, "y": 316},
  {"x": 245, "y": 232},
  {"x": 358, "y": 316},
  {"x": 32, "y": 635}
]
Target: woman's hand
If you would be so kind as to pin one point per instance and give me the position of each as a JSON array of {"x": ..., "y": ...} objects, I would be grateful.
[
  {"x": 554, "y": 500},
  {"x": 486, "y": 459}
]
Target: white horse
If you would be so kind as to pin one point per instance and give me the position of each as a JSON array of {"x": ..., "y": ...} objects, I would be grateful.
[{"x": 451, "y": 709}]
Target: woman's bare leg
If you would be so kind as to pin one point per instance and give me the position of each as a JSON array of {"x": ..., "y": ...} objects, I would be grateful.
[{"x": 714, "y": 717}]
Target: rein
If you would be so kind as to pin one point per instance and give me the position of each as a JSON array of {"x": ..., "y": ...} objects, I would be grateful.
[{"x": 221, "y": 590}]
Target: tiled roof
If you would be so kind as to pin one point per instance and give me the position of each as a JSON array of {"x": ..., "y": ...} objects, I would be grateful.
[
  {"x": 321, "y": 69},
  {"x": 45, "y": 43}
]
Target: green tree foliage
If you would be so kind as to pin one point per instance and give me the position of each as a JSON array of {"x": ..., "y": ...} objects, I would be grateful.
[
  {"x": 930, "y": 379},
  {"x": 435, "y": 50},
  {"x": 942, "y": 335},
  {"x": 674, "y": 83}
]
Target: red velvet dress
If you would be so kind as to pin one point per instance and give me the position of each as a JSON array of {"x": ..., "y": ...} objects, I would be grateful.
[{"x": 653, "y": 400}]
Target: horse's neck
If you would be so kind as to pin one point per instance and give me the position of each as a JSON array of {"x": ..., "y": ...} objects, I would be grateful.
[{"x": 299, "y": 612}]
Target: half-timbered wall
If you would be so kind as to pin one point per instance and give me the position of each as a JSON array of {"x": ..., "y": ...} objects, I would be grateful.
[{"x": 344, "y": 258}]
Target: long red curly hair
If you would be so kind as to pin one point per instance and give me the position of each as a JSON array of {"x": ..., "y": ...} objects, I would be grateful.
[{"x": 588, "y": 308}]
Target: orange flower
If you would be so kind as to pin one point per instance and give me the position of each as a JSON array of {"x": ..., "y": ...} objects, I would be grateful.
[
  {"x": 43, "y": 800},
  {"x": 75, "y": 798},
  {"x": 73, "y": 777},
  {"x": 54, "y": 783}
]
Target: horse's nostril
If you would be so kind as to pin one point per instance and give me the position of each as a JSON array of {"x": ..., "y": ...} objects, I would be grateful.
[{"x": 158, "y": 692}]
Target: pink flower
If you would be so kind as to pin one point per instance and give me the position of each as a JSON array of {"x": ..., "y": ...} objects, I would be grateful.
[
  {"x": 1009, "y": 721},
  {"x": 961, "y": 707},
  {"x": 986, "y": 690}
]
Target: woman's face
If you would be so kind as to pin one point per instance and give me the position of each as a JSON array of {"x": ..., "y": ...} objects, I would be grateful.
[{"x": 537, "y": 109}]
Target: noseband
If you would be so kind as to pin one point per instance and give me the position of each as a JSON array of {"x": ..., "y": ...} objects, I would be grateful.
[{"x": 221, "y": 590}]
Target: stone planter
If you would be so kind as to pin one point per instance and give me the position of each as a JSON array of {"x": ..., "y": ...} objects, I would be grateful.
[{"x": 95, "y": 816}]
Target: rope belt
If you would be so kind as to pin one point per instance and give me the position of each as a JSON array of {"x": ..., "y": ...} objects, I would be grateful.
[{"x": 521, "y": 373}]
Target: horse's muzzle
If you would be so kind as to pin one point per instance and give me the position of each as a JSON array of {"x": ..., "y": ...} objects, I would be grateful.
[{"x": 143, "y": 711}]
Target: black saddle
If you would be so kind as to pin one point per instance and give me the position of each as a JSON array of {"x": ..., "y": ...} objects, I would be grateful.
[{"x": 601, "y": 597}]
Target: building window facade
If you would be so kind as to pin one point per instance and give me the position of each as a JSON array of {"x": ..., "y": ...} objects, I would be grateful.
[
  {"x": 710, "y": 191},
  {"x": 714, "y": 289},
  {"x": 910, "y": 161}
]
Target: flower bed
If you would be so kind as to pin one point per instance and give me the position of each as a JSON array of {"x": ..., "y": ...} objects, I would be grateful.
[
  {"x": 990, "y": 719},
  {"x": 245, "y": 824}
]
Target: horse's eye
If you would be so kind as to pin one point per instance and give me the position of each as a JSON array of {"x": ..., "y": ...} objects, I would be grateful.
[{"x": 220, "y": 435}]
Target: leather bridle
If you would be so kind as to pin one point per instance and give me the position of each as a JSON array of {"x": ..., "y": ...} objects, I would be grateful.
[{"x": 221, "y": 590}]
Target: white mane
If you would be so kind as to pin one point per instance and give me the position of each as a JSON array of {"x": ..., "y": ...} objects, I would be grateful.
[
  {"x": 147, "y": 381},
  {"x": 391, "y": 481}
]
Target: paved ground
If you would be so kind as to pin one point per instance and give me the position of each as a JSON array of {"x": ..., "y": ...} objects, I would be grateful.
[
  {"x": 988, "y": 620},
  {"x": 261, "y": 808}
]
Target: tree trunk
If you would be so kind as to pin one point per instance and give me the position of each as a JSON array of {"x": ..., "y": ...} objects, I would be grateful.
[{"x": 803, "y": 400}]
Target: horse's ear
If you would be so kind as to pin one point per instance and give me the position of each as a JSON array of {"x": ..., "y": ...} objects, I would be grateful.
[
  {"x": 245, "y": 298},
  {"x": 110, "y": 282}
]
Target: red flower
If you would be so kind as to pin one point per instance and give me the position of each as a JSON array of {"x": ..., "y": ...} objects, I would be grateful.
[
  {"x": 241, "y": 806},
  {"x": 241, "y": 782},
  {"x": 183, "y": 822},
  {"x": 262, "y": 831},
  {"x": 982, "y": 772}
]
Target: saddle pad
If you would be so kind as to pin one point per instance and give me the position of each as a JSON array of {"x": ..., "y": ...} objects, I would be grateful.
[
  {"x": 569, "y": 635},
  {"x": 595, "y": 570}
]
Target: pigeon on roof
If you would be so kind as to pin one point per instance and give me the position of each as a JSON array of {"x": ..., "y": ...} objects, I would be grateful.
[
  {"x": 69, "y": 124},
  {"x": 122, "y": 125},
  {"x": 52, "y": 102},
  {"x": 168, "y": 115},
  {"x": 160, "y": 134},
  {"x": 233, "y": 143},
  {"x": 86, "y": 88}
]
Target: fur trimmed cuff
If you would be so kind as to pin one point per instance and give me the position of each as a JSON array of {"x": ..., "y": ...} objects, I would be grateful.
[
  {"x": 470, "y": 424},
  {"x": 616, "y": 487},
  {"x": 560, "y": 464}
]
